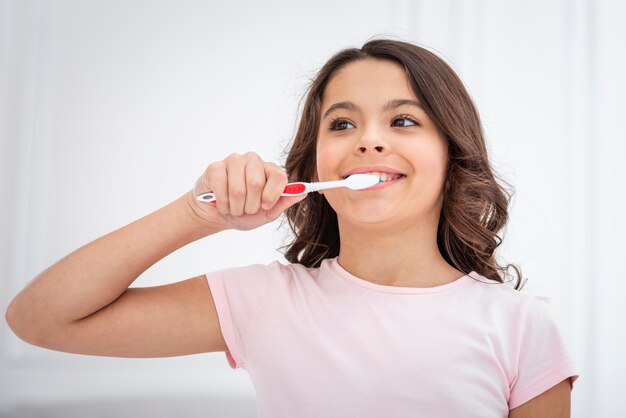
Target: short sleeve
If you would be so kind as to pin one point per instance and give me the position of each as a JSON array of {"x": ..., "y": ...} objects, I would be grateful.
[
  {"x": 239, "y": 294},
  {"x": 543, "y": 359}
]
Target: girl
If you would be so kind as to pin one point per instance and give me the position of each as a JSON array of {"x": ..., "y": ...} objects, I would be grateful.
[{"x": 393, "y": 303}]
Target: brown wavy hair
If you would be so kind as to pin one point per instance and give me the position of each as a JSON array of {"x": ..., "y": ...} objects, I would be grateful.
[{"x": 474, "y": 205}]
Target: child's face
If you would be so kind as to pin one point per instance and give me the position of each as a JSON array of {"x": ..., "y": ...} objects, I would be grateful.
[{"x": 370, "y": 136}]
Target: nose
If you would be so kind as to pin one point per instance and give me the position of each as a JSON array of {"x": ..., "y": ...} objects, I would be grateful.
[
  {"x": 363, "y": 149},
  {"x": 370, "y": 141}
]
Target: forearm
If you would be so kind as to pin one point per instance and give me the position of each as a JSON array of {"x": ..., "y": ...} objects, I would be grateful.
[{"x": 96, "y": 274}]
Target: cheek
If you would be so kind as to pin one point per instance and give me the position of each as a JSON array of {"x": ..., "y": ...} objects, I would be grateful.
[
  {"x": 435, "y": 166},
  {"x": 325, "y": 161},
  {"x": 431, "y": 161}
]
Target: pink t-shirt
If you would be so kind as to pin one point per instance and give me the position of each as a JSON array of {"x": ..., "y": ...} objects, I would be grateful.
[{"x": 321, "y": 342}]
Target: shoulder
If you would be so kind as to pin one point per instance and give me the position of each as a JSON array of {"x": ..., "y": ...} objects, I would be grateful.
[
  {"x": 250, "y": 270},
  {"x": 269, "y": 271},
  {"x": 499, "y": 294},
  {"x": 514, "y": 311},
  {"x": 529, "y": 317}
]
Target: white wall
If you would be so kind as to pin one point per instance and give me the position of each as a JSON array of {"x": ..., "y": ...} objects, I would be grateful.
[{"x": 111, "y": 109}]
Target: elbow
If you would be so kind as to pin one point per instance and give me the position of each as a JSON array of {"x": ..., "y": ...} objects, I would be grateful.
[
  {"x": 17, "y": 323},
  {"x": 10, "y": 315}
]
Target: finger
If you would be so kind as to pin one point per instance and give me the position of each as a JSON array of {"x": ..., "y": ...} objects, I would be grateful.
[
  {"x": 275, "y": 185},
  {"x": 255, "y": 182},
  {"x": 236, "y": 184},
  {"x": 218, "y": 184},
  {"x": 283, "y": 203}
]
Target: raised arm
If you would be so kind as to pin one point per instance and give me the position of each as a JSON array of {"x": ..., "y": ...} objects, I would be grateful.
[
  {"x": 83, "y": 304},
  {"x": 99, "y": 273}
]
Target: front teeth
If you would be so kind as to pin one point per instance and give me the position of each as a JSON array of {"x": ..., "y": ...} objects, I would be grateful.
[{"x": 385, "y": 176}]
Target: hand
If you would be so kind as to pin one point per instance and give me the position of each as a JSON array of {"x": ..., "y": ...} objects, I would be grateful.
[{"x": 248, "y": 192}]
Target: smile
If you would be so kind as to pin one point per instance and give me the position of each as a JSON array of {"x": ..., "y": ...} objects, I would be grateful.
[
  {"x": 385, "y": 177},
  {"x": 388, "y": 180}
]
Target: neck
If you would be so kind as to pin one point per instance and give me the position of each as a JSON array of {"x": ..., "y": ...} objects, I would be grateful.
[{"x": 404, "y": 255}]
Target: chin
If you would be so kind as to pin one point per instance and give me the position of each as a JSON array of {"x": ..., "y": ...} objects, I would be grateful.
[{"x": 371, "y": 214}]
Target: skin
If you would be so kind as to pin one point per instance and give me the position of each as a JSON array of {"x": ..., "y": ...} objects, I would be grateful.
[
  {"x": 553, "y": 403},
  {"x": 388, "y": 236}
]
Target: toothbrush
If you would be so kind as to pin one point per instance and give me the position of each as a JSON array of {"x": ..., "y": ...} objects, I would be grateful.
[{"x": 354, "y": 182}]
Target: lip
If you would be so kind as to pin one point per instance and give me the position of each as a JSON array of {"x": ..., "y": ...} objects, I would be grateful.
[{"x": 369, "y": 169}]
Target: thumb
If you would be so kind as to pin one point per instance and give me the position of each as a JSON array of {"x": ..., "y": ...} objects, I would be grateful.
[{"x": 283, "y": 203}]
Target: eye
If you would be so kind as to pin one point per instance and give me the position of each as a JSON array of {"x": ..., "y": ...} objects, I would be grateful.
[
  {"x": 339, "y": 124},
  {"x": 405, "y": 118}
]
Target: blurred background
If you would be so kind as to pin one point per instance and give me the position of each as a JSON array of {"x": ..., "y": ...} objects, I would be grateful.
[{"x": 111, "y": 109}]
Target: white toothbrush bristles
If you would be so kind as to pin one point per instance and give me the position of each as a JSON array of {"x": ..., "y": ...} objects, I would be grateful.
[{"x": 361, "y": 181}]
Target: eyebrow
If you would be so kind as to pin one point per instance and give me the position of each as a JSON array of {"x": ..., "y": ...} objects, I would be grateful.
[{"x": 392, "y": 104}]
